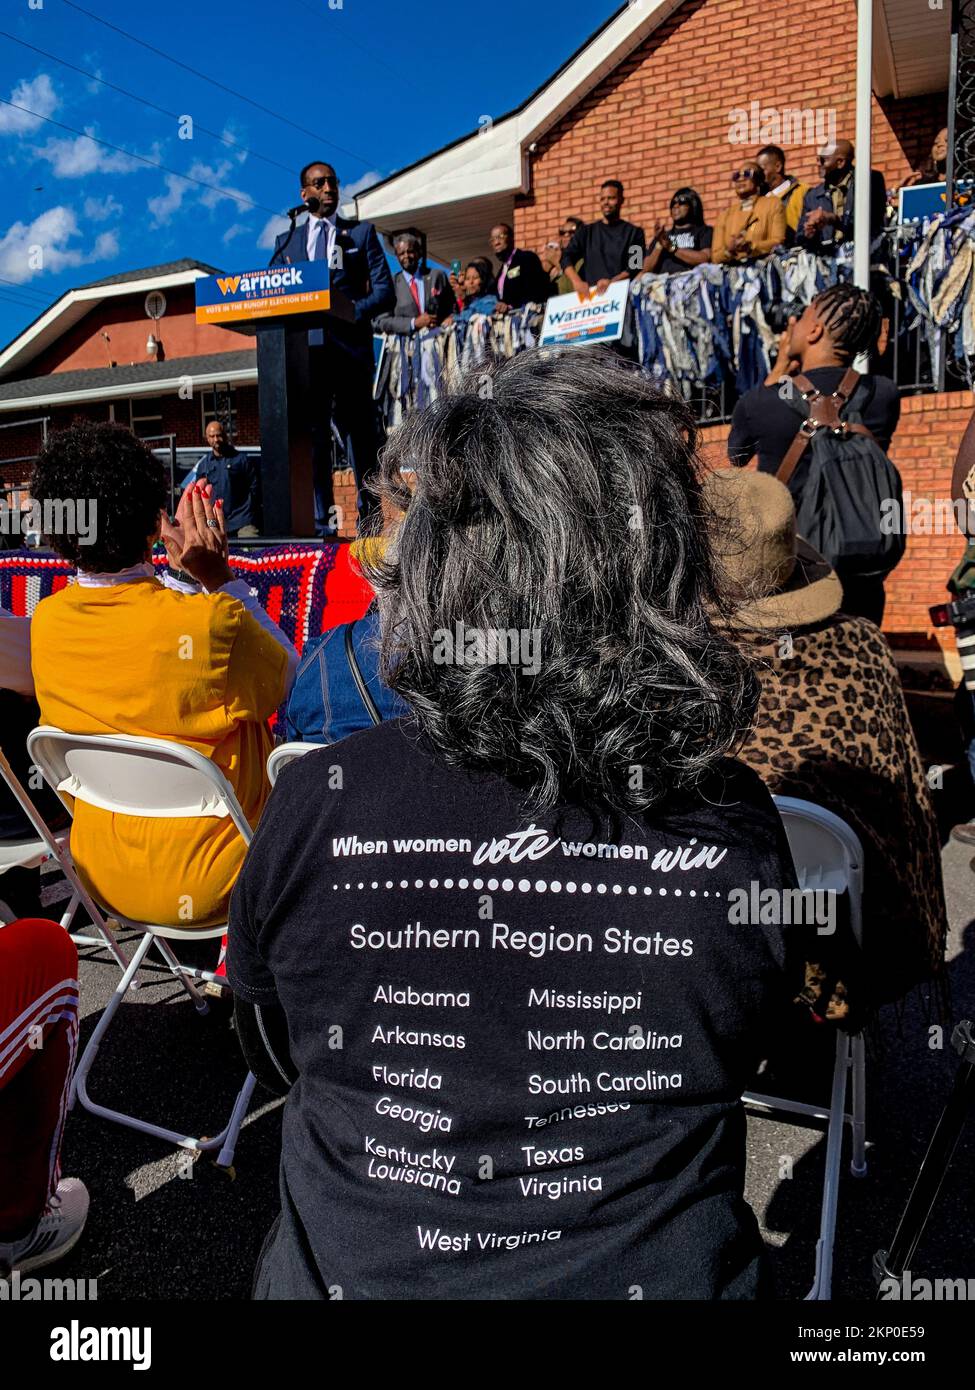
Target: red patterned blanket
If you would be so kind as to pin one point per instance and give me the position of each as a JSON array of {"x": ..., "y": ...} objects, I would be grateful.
[{"x": 306, "y": 589}]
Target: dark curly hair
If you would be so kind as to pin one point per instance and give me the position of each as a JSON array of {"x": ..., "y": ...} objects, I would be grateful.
[
  {"x": 852, "y": 318},
  {"x": 106, "y": 465},
  {"x": 559, "y": 494}
]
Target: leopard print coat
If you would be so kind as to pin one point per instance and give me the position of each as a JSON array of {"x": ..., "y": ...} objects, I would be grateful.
[{"x": 832, "y": 727}]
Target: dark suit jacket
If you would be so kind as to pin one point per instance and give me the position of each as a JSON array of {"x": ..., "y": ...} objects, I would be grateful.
[
  {"x": 362, "y": 275},
  {"x": 525, "y": 282},
  {"x": 824, "y": 241},
  {"x": 438, "y": 298}
]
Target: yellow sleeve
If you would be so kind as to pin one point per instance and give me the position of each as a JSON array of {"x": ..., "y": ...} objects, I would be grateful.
[
  {"x": 257, "y": 670},
  {"x": 793, "y": 206},
  {"x": 773, "y": 227}
]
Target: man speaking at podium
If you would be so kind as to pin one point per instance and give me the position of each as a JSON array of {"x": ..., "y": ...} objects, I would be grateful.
[{"x": 340, "y": 354}]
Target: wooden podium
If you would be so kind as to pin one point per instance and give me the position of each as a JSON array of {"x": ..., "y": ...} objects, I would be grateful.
[{"x": 285, "y": 407}]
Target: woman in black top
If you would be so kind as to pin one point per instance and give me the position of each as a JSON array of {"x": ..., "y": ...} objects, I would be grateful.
[
  {"x": 505, "y": 933},
  {"x": 688, "y": 241}
]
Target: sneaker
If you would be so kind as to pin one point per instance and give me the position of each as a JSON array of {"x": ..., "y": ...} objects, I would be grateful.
[
  {"x": 57, "y": 1232},
  {"x": 964, "y": 832}
]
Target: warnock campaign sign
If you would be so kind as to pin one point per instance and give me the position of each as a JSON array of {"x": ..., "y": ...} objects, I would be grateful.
[
  {"x": 262, "y": 294},
  {"x": 599, "y": 319}
]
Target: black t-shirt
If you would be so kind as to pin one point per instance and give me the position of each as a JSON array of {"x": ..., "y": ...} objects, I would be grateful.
[
  {"x": 686, "y": 239},
  {"x": 765, "y": 424},
  {"x": 605, "y": 250},
  {"x": 521, "y": 1040}
]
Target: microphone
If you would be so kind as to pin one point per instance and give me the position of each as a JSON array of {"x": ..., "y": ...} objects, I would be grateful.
[{"x": 312, "y": 205}]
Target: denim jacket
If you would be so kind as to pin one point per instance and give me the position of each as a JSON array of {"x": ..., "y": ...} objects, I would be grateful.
[{"x": 325, "y": 704}]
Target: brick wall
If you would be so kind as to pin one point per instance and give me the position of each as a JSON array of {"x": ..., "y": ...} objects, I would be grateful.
[
  {"x": 662, "y": 118},
  {"x": 923, "y": 449},
  {"x": 124, "y": 321}
]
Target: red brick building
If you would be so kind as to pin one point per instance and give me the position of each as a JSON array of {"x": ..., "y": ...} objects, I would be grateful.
[
  {"x": 656, "y": 98},
  {"x": 97, "y": 354}
]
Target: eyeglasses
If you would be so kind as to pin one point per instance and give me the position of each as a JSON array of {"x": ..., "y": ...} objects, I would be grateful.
[
  {"x": 567, "y": 231},
  {"x": 744, "y": 174},
  {"x": 328, "y": 182},
  {"x": 679, "y": 203}
]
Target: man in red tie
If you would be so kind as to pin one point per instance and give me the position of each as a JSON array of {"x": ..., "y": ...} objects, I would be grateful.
[{"x": 423, "y": 296}]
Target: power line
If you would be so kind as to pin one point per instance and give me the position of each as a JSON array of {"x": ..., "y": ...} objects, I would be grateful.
[
  {"x": 133, "y": 96},
  {"x": 230, "y": 91},
  {"x": 23, "y": 289},
  {"x": 8, "y": 298},
  {"x": 141, "y": 158}
]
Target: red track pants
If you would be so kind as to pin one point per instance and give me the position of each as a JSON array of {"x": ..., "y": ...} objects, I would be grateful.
[{"x": 38, "y": 1040}]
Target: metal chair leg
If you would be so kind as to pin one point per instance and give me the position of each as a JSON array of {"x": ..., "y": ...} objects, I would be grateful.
[
  {"x": 823, "y": 1282},
  {"x": 225, "y": 1141},
  {"x": 226, "y": 1155},
  {"x": 858, "y": 1162},
  {"x": 79, "y": 1089},
  {"x": 185, "y": 979}
]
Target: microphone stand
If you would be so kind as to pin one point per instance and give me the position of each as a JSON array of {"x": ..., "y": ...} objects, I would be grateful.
[{"x": 293, "y": 214}]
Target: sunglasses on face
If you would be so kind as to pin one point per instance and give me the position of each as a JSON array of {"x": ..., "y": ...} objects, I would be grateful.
[
  {"x": 328, "y": 182},
  {"x": 567, "y": 231},
  {"x": 679, "y": 203},
  {"x": 743, "y": 174}
]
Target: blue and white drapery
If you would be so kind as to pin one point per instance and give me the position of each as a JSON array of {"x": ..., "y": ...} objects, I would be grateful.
[{"x": 709, "y": 325}]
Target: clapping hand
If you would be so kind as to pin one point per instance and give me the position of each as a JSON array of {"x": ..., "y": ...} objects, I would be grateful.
[{"x": 197, "y": 541}]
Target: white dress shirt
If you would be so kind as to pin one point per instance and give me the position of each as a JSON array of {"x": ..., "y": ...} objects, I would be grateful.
[{"x": 319, "y": 226}]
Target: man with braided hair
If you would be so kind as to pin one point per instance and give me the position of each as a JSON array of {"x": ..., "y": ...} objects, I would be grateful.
[{"x": 821, "y": 344}]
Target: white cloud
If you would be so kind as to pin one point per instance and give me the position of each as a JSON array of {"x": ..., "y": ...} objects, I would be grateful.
[
  {"x": 39, "y": 95},
  {"x": 75, "y": 158},
  {"x": 270, "y": 230},
  {"x": 101, "y": 209},
  {"x": 234, "y": 230},
  {"x": 349, "y": 190},
  {"x": 215, "y": 174},
  {"x": 230, "y": 133},
  {"x": 178, "y": 188},
  {"x": 105, "y": 247},
  {"x": 28, "y": 249},
  {"x": 163, "y": 207}
]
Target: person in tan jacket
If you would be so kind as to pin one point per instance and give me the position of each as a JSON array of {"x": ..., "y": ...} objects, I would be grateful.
[
  {"x": 790, "y": 191},
  {"x": 754, "y": 225}
]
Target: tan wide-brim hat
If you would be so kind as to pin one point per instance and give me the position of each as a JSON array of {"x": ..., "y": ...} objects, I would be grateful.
[{"x": 783, "y": 581}]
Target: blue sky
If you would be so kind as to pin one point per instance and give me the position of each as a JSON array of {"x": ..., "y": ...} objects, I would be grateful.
[{"x": 376, "y": 84}]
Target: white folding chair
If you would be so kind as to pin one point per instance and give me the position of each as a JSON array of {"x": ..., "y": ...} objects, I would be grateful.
[
  {"x": 33, "y": 852},
  {"x": 828, "y": 856},
  {"x": 285, "y": 753},
  {"x": 145, "y": 777}
]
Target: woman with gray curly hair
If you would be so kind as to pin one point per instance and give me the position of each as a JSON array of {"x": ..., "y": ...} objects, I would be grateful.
[{"x": 495, "y": 933}]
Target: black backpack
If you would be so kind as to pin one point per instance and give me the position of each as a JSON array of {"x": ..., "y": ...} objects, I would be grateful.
[{"x": 840, "y": 501}]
